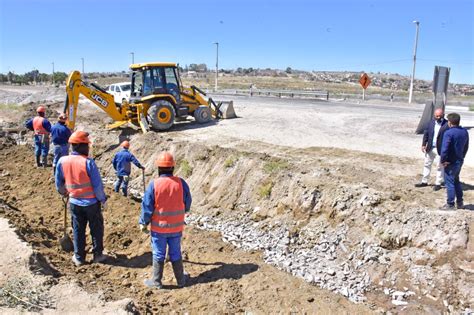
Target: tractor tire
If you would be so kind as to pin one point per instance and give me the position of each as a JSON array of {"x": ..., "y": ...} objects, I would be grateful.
[
  {"x": 203, "y": 114},
  {"x": 161, "y": 115}
]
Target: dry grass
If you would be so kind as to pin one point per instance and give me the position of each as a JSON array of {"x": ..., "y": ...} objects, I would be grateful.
[{"x": 22, "y": 293}]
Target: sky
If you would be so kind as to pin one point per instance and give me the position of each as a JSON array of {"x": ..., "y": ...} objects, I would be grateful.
[{"x": 338, "y": 35}]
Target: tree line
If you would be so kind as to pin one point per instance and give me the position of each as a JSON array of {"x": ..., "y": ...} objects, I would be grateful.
[{"x": 33, "y": 76}]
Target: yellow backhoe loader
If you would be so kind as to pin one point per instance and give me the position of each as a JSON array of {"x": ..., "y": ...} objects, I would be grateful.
[{"x": 157, "y": 99}]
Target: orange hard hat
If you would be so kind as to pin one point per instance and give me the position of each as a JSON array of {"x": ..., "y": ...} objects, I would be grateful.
[
  {"x": 125, "y": 144},
  {"x": 62, "y": 118},
  {"x": 79, "y": 137},
  {"x": 41, "y": 109},
  {"x": 165, "y": 160}
]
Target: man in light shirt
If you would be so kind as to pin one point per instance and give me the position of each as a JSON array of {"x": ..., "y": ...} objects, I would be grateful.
[{"x": 431, "y": 146}]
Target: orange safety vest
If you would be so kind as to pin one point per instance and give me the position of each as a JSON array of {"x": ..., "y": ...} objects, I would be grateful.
[
  {"x": 78, "y": 182},
  {"x": 38, "y": 126},
  {"x": 168, "y": 216}
]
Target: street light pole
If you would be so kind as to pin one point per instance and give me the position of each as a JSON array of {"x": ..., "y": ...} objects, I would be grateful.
[
  {"x": 133, "y": 57},
  {"x": 82, "y": 66},
  {"x": 217, "y": 63},
  {"x": 410, "y": 96}
]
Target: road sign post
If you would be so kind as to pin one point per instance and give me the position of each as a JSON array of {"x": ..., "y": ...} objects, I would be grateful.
[{"x": 364, "y": 81}]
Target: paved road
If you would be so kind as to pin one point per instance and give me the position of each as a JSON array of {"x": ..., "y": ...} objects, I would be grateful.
[{"x": 370, "y": 127}]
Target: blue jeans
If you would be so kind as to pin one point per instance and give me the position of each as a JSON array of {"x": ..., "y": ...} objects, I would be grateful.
[
  {"x": 453, "y": 185},
  {"x": 41, "y": 148},
  {"x": 121, "y": 181},
  {"x": 59, "y": 151},
  {"x": 80, "y": 217},
  {"x": 158, "y": 245}
]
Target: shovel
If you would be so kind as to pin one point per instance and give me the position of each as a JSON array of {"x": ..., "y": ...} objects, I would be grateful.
[
  {"x": 65, "y": 241},
  {"x": 144, "y": 185}
]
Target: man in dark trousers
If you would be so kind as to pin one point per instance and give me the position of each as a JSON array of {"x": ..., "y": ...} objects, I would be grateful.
[
  {"x": 60, "y": 134},
  {"x": 78, "y": 177},
  {"x": 453, "y": 151},
  {"x": 122, "y": 165},
  {"x": 431, "y": 146},
  {"x": 164, "y": 205},
  {"x": 41, "y": 127}
]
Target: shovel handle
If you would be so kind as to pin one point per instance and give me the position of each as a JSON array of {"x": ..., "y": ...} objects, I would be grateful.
[
  {"x": 144, "y": 185},
  {"x": 65, "y": 202}
]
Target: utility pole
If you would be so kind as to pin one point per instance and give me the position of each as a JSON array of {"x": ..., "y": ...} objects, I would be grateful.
[
  {"x": 133, "y": 57},
  {"x": 410, "y": 96},
  {"x": 52, "y": 77},
  {"x": 217, "y": 63},
  {"x": 82, "y": 59}
]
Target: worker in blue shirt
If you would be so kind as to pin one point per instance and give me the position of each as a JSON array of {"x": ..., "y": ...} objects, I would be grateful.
[
  {"x": 453, "y": 151},
  {"x": 78, "y": 177},
  {"x": 164, "y": 205},
  {"x": 122, "y": 165},
  {"x": 60, "y": 134},
  {"x": 41, "y": 127}
]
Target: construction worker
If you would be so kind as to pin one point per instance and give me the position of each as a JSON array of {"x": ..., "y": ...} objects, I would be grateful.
[
  {"x": 164, "y": 205},
  {"x": 41, "y": 127},
  {"x": 122, "y": 166},
  {"x": 60, "y": 134},
  {"x": 77, "y": 176}
]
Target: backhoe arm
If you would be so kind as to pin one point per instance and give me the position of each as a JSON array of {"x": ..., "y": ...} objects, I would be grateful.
[{"x": 76, "y": 86}]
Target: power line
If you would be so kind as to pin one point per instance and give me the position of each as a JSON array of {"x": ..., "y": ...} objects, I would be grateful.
[{"x": 448, "y": 61}]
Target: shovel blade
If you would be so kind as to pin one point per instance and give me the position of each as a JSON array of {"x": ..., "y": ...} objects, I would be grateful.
[{"x": 66, "y": 243}]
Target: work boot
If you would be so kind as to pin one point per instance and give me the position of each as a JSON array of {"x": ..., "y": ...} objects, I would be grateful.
[
  {"x": 100, "y": 258},
  {"x": 447, "y": 207},
  {"x": 38, "y": 161},
  {"x": 45, "y": 161},
  {"x": 178, "y": 271},
  {"x": 76, "y": 261},
  {"x": 155, "y": 281},
  {"x": 460, "y": 205}
]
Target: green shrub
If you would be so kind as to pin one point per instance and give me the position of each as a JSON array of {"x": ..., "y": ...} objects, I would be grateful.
[
  {"x": 274, "y": 166},
  {"x": 265, "y": 190},
  {"x": 185, "y": 169},
  {"x": 230, "y": 161}
]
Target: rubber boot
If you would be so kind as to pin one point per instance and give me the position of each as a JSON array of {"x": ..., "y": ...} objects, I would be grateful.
[
  {"x": 38, "y": 161},
  {"x": 45, "y": 161},
  {"x": 155, "y": 281},
  {"x": 178, "y": 271}
]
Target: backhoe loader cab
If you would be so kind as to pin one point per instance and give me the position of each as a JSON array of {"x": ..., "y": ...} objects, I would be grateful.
[{"x": 158, "y": 87}]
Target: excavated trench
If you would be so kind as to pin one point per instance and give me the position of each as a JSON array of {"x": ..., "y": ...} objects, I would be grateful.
[{"x": 308, "y": 212}]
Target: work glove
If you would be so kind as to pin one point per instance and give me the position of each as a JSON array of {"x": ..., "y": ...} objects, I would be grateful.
[
  {"x": 142, "y": 167},
  {"x": 104, "y": 205},
  {"x": 143, "y": 228}
]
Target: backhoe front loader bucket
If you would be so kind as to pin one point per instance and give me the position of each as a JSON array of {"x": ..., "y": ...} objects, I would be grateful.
[
  {"x": 227, "y": 109},
  {"x": 223, "y": 109}
]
